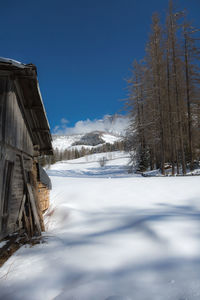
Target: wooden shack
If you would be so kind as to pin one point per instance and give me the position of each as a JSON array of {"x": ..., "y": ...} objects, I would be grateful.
[{"x": 24, "y": 136}]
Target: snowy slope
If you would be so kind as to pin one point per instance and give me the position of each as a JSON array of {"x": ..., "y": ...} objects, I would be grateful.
[
  {"x": 111, "y": 236},
  {"x": 62, "y": 142}
]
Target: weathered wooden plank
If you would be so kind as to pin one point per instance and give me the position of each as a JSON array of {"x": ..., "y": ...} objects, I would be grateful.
[
  {"x": 34, "y": 209},
  {"x": 21, "y": 210},
  {"x": 17, "y": 191}
]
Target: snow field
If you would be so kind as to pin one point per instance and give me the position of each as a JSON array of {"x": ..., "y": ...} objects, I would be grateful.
[{"x": 111, "y": 236}]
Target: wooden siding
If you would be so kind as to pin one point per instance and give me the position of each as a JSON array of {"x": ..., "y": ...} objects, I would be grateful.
[
  {"x": 17, "y": 192},
  {"x": 3, "y": 96},
  {"x": 14, "y": 130}
]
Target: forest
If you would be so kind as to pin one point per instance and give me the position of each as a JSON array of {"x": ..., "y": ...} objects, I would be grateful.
[
  {"x": 164, "y": 103},
  {"x": 73, "y": 153}
]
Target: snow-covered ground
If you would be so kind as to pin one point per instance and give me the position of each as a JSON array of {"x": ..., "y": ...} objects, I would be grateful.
[{"x": 111, "y": 235}]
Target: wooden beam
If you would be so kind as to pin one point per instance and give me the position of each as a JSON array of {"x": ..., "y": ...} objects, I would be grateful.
[
  {"x": 40, "y": 130},
  {"x": 34, "y": 107},
  {"x": 21, "y": 209},
  {"x": 31, "y": 199}
]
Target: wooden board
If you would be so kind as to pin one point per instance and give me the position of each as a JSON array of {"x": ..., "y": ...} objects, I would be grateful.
[{"x": 34, "y": 208}]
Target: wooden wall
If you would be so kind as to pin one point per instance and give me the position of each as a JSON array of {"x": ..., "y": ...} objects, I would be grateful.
[
  {"x": 14, "y": 131},
  {"x": 16, "y": 151},
  {"x": 17, "y": 191},
  {"x": 21, "y": 202}
]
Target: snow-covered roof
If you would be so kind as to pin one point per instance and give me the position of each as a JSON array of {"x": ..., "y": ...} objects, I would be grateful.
[
  {"x": 44, "y": 178},
  {"x": 12, "y": 62}
]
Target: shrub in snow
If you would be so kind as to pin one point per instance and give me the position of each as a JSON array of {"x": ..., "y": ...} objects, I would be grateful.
[
  {"x": 196, "y": 164},
  {"x": 102, "y": 161}
]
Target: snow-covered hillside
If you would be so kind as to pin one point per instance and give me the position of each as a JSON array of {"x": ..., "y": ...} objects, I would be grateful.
[
  {"x": 111, "y": 236},
  {"x": 109, "y": 129},
  {"x": 62, "y": 142}
]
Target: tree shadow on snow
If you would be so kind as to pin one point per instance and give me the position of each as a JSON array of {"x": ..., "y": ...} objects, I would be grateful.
[
  {"x": 168, "y": 277},
  {"x": 115, "y": 171}
]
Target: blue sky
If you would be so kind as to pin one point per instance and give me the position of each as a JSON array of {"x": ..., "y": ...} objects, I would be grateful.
[{"x": 83, "y": 49}]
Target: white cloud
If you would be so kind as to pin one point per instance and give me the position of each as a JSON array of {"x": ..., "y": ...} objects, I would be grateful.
[
  {"x": 116, "y": 124},
  {"x": 64, "y": 121}
]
